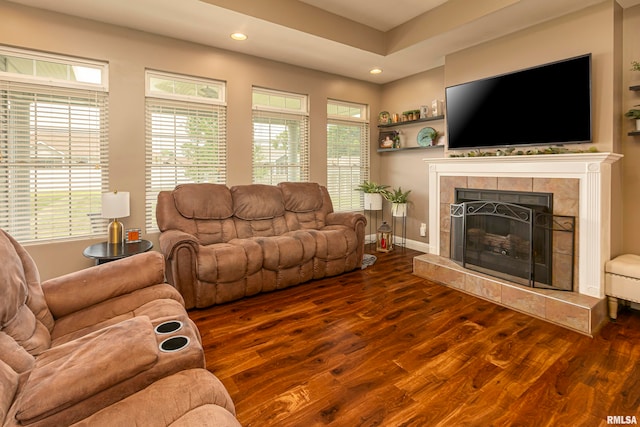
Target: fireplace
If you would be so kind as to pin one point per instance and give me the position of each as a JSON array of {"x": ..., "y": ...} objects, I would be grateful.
[
  {"x": 589, "y": 175},
  {"x": 511, "y": 235},
  {"x": 581, "y": 184}
]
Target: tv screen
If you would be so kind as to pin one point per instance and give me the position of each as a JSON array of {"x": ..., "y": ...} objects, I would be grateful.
[{"x": 548, "y": 104}]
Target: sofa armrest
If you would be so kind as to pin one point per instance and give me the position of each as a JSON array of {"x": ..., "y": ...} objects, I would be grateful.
[
  {"x": 348, "y": 219},
  {"x": 171, "y": 240},
  {"x": 69, "y": 374},
  {"x": 181, "y": 250},
  {"x": 75, "y": 291}
]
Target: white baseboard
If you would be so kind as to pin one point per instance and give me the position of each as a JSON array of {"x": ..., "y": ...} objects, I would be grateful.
[{"x": 411, "y": 244}]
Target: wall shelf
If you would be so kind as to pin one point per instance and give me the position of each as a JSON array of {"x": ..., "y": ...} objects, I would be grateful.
[
  {"x": 410, "y": 122},
  {"x": 417, "y": 147},
  {"x": 634, "y": 132}
]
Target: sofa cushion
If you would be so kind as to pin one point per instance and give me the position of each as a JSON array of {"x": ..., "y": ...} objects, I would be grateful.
[
  {"x": 14, "y": 355},
  {"x": 227, "y": 262},
  {"x": 203, "y": 201},
  {"x": 8, "y": 387},
  {"x": 257, "y": 202},
  {"x": 301, "y": 196},
  {"x": 16, "y": 316},
  {"x": 289, "y": 250},
  {"x": 334, "y": 242},
  {"x": 169, "y": 401},
  {"x": 72, "y": 372}
]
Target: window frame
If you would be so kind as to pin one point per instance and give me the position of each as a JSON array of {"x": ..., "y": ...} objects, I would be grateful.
[
  {"x": 193, "y": 106},
  {"x": 297, "y": 114},
  {"x": 56, "y": 146},
  {"x": 361, "y": 121}
]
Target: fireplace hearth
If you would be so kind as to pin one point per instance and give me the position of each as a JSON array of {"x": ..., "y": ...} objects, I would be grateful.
[{"x": 511, "y": 234}]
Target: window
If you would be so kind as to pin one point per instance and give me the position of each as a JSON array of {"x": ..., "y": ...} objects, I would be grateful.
[
  {"x": 186, "y": 140},
  {"x": 53, "y": 145},
  {"x": 347, "y": 153},
  {"x": 280, "y": 137}
]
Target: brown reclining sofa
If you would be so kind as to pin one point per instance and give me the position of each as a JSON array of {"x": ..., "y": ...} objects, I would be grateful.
[
  {"x": 222, "y": 244},
  {"x": 85, "y": 348}
]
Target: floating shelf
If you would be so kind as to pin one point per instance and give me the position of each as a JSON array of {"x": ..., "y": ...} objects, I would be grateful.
[
  {"x": 385, "y": 150},
  {"x": 635, "y": 87},
  {"x": 411, "y": 122},
  {"x": 634, "y": 133}
]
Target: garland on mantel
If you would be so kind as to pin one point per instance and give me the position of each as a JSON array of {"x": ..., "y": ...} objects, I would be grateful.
[{"x": 513, "y": 152}]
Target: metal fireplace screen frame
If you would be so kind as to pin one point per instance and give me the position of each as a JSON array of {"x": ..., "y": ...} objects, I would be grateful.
[{"x": 514, "y": 256}]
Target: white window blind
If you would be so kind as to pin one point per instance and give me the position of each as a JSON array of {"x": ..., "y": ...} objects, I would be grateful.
[
  {"x": 185, "y": 136},
  {"x": 347, "y": 153},
  {"x": 280, "y": 137},
  {"x": 53, "y": 146}
]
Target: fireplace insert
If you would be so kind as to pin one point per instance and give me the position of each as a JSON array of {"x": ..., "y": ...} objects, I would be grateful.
[{"x": 511, "y": 235}]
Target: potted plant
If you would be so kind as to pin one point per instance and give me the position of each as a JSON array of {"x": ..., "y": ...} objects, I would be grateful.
[
  {"x": 398, "y": 199},
  {"x": 634, "y": 113},
  {"x": 372, "y": 195}
]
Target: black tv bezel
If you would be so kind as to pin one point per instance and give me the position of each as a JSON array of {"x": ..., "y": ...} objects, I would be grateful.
[{"x": 529, "y": 144}]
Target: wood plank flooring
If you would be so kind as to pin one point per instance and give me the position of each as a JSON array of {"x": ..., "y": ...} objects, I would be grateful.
[{"x": 381, "y": 347}]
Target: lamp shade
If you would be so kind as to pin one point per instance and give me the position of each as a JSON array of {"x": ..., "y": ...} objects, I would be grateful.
[{"x": 115, "y": 204}]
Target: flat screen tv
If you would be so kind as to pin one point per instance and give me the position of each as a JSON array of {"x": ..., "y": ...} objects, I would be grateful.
[{"x": 544, "y": 105}]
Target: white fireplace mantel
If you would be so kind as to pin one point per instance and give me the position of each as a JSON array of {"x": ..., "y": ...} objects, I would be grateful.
[{"x": 593, "y": 170}]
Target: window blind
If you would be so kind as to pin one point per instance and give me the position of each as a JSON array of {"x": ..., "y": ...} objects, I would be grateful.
[
  {"x": 280, "y": 137},
  {"x": 53, "y": 160},
  {"x": 185, "y": 143},
  {"x": 347, "y": 153}
]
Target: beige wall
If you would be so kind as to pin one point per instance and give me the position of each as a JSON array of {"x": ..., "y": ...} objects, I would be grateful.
[
  {"x": 129, "y": 53},
  {"x": 407, "y": 169}
]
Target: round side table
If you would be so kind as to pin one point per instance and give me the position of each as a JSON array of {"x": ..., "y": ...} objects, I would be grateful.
[{"x": 104, "y": 252}]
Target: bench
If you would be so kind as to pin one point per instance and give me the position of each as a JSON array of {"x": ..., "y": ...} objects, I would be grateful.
[{"x": 622, "y": 281}]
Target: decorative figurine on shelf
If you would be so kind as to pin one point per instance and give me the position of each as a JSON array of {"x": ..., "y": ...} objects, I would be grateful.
[
  {"x": 384, "y": 118},
  {"x": 389, "y": 139}
]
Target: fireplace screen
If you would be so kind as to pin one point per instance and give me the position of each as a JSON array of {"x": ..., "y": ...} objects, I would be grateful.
[{"x": 514, "y": 242}]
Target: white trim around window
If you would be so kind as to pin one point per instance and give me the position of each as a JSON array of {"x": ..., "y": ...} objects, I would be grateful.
[
  {"x": 186, "y": 139},
  {"x": 53, "y": 146},
  {"x": 347, "y": 153}
]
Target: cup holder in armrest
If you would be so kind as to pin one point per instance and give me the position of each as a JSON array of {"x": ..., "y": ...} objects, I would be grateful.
[
  {"x": 168, "y": 327},
  {"x": 174, "y": 344}
]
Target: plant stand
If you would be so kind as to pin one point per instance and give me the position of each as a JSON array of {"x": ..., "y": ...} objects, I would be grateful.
[
  {"x": 402, "y": 241},
  {"x": 373, "y": 226}
]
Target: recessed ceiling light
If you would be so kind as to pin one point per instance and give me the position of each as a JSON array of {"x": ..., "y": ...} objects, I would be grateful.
[
  {"x": 375, "y": 70},
  {"x": 239, "y": 36}
]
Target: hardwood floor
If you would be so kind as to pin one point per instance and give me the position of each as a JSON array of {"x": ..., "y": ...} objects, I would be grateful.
[{"x": 381, "y": 347}]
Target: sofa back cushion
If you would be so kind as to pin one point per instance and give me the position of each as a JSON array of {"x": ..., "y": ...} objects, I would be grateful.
[
  {"x": 203, "y": 201},
  {"x": 258, "y": 210},
  {"x": 202, "y": 210},
  {"x": 24, "y": 315},
  {"x": 306, "y": 204}
]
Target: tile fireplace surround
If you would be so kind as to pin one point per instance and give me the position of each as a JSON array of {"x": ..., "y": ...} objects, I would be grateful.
[{"x": 581, "y": 185}]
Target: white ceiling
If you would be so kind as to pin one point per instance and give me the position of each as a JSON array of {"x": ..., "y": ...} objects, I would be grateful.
[{"x": 209, "y": 24}]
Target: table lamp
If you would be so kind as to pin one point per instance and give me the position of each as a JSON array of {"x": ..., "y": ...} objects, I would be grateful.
[{"x": 115, "y": 205}]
